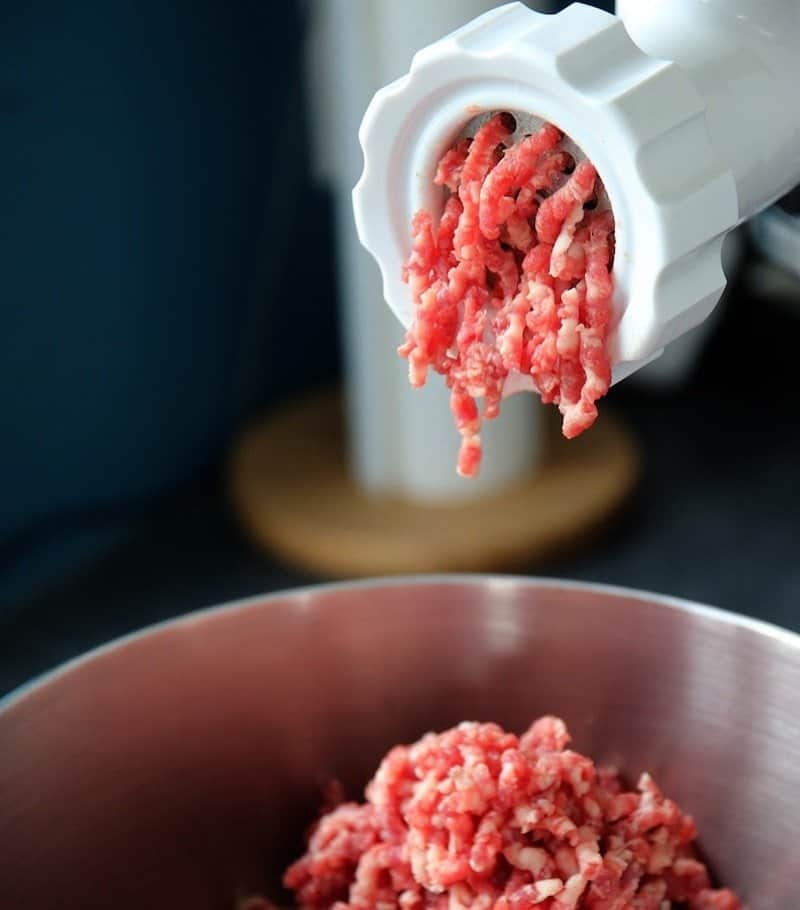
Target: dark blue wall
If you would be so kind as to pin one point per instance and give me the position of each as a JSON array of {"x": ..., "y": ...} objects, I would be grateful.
[{"x": 153, "y": 156}]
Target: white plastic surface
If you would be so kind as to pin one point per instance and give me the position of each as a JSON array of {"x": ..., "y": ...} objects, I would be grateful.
[
  {"x": 401, "y": 442},
  {"x": 685, "y": 151},
  {"x": 743, "y": 56},
  {"x": 675, "y": 365}
]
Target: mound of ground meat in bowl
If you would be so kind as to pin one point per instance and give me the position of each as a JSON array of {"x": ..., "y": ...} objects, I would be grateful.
[
  {"x": 479, "y": 819},
  {"x": 513, "y": 278}
]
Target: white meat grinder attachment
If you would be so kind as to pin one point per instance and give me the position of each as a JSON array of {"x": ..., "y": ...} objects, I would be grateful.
[{"x": 688, "y": 109}]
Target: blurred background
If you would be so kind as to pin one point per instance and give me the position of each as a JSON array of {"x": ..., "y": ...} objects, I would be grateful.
[{"x": 180, "y": 266}]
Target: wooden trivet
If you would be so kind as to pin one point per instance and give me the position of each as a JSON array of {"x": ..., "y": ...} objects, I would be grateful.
[{"x": 294, "y": 495}]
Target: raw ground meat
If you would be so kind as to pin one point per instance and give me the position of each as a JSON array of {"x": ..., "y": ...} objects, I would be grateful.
[
  {"x": 479, "y": 819},
  {"x": 515, "y": 277}
]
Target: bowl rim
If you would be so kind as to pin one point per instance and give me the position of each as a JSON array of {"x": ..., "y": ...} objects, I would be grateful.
[{"x": 259, "y": 601}]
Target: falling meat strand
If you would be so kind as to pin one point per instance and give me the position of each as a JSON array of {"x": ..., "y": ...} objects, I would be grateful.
[
  {"x": 448, "y": 173},
  {"x": 515, "y": 278},
  {"x": 516, "y": 170},
  {"x": 481, "y": 159},
  {"x": 578, "y": 190}
]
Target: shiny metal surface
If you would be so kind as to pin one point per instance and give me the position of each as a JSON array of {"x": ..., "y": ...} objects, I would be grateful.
[{"x": 178, "y": 767}]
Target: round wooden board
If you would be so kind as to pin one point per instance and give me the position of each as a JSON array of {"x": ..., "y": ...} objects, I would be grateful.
[{"x": 294, "y": 495}]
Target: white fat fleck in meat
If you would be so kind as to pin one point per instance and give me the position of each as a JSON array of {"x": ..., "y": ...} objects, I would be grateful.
[{"x": 564, "y": 240}]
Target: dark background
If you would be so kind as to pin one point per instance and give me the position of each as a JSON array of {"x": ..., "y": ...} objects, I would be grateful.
[{"x": 156, "y": 231}]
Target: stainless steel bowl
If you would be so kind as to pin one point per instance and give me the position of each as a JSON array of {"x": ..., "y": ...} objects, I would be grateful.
[{"x": 178, "y": 767}]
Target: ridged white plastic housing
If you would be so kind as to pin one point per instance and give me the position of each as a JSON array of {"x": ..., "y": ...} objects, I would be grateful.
[{"x": 688, "y": 109}]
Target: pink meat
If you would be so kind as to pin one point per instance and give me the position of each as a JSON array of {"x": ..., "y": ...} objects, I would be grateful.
[
  {"x": 482, "y": 819},
  {"x": 482, "y": 157},
  {"x": 514, "y": 171},
  {"x": 578, "y": 190},
  {"x": 450, "y": 167},
  {"x": 516, "y": 277}
]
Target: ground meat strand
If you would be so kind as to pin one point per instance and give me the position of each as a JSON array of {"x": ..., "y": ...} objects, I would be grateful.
[
  {"x": 516, "y": 277},
  {"x": 516, "y": 170},
  {"x": 479, "y": 818}
]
